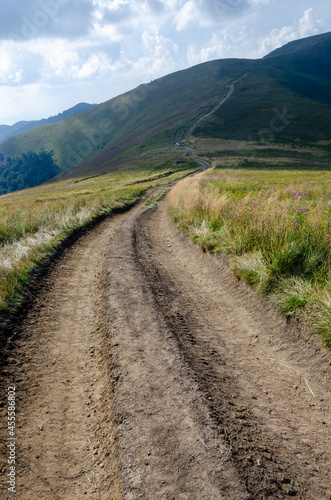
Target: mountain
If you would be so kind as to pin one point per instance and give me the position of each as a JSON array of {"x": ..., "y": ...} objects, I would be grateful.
[
  {"x": 301, "y": 44},
  {"x": 7, "y": 131},
  {"x": 287, "y": 98},
  {"x": 283, "y": 98},
  {"x": 148, "y": 113}
]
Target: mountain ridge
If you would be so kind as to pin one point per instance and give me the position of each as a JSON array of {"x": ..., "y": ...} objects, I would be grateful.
[{"x": 296, "y": 45}]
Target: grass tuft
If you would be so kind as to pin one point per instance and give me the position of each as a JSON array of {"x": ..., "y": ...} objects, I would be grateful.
[
  {"x": 293, "y": 295},
  {"x": 252, "y": 268},
  {"x": 319, "y": 318}
]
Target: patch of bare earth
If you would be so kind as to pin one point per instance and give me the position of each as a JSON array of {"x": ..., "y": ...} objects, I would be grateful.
[
  {"x": 145, "y": 370},
  {"x": 59, "y": 364},
  {"x": 218, "y": 397}
]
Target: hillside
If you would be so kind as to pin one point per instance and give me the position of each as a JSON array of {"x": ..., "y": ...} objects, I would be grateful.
[
  {"x": 301, "y": 44},
  {"x": 7, "y": 131},
  {"x": 287, "y": 98},
  {"x": 284, "y": 98},
  {"x": 130, "y": 119}
]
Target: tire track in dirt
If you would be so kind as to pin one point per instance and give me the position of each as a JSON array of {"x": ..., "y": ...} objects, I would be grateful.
[
  {"x": 262, "y": 388},
  {"x": 168, "y": 444},
  {"x": 145, "y": 370},
  {"x": 60, "y": 366}
]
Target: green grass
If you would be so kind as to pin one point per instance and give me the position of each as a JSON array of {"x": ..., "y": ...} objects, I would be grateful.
[
  {"x": 155, "y": 199},
  {"x": 275, "y": 228},
  {"x": 252, "y": 155},
  {"x": 35, "y": 221}
]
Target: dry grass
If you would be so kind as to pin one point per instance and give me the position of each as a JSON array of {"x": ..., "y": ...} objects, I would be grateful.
[
  {"x": 33, "y": 222},
  {"x": 276, "y": 228}
]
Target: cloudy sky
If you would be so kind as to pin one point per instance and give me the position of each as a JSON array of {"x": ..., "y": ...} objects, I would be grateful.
[{"x": 56, "y": 53}]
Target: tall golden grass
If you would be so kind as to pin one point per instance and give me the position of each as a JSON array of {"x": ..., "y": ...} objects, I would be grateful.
[{"x": 275, "y": 228}]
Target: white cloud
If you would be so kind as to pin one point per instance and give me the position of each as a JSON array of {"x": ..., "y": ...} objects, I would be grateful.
[
  {"x": 96, "y": 64},
  {"x": 214, "y": 12},
  {"x": 186, "y": 16},
  {"x": 17, "y": 64},
  {"x": 92, "y": 50},
  {"x": 18, "y": 76},
  {"x": 8, "y": 58},
  {"x": 226, "y": 43},
  {"x": 237, "y": 40},
  {"x": 161, "y": 56},
  {"x": 158, "y": 45},
  {"x": 309, "y": 24}
]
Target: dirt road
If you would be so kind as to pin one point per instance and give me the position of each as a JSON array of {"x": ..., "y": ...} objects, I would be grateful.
[
  {"x": 146, "y": 371},
  {"x": 59, "y": 365}
]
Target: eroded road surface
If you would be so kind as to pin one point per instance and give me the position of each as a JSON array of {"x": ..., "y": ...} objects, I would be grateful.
[{"x": 146, "y": 371}]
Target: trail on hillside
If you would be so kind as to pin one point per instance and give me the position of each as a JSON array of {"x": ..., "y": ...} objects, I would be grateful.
[
  {"x": 146, "y": 371},
  {"x": 182, "y": 134},
  {"x": 222, "y": 95}
]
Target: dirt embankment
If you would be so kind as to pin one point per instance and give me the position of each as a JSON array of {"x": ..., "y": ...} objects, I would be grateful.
[{"x": 146, "y": 371}]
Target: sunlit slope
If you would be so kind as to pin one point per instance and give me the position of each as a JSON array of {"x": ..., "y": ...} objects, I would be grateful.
[
  {"x": 287, "y": 98},
  {"x": 23, "y": 126},
  {"x": 130, "y": 119}
]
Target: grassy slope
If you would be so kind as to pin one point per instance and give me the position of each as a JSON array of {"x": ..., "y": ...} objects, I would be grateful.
[
  {"x": 143, "y": 116},
  {"x": 296, "y": 79},
  {"x": 24, "y": 126}
]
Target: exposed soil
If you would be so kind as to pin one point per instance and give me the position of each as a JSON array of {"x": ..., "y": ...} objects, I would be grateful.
[
  {"x": 145, "y": 370},
  {"x": 57, "y": 361}
]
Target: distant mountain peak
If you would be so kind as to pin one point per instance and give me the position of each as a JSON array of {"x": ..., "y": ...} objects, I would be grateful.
[{"x": 7, "y": 131}]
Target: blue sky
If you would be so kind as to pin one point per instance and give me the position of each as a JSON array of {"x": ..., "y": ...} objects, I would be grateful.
[{"x": 56, "y": 53}]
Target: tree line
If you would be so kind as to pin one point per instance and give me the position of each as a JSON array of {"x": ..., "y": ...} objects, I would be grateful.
[{"x": 25, "y": 171}]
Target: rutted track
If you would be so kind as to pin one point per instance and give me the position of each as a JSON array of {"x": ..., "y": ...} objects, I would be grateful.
[
  {"x": 170, "y": 447},
  {"x": 183, "y": 133},
  {"x": 223, "y": 94},
  {"x": 201, "y": 359},
  {"x": 146, "y": 371},
  {"x": 56, "y": 359}
]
